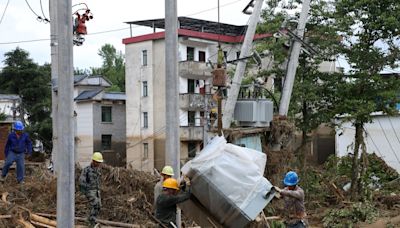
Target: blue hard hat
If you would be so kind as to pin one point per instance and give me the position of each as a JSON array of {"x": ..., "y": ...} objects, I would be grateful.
[
  {"x": 18, "y": 126},
  {"x": 291, "y": 178}
]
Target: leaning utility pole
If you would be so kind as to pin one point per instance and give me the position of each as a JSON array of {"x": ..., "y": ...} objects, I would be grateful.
[
  {"x": 293, "y": 61},
  {"x": 241, "y": 66},
  {"x": 65, "y": 124},
  {"x": 54, "y": 71},
  {"x": 172, "y": 142}
]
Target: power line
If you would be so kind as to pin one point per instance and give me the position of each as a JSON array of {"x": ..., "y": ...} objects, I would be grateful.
[
  {"x": 23, "y": 41},
  {"x": 373, "y": 142},
  {"x": 4, "y": 12},
  {"x": 395, "y": 133},
  {"x": 106, "y": 31},
  {"x": 32, "y": 9},
  {"x": 41, "y": 7},
  {"x": 391, "y": 147}
]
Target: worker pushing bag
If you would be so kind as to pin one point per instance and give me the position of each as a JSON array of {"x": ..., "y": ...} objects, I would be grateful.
[
  {"x": 89, "y": 185},
  {"x": 166, "y": 203},
  {"x": 166, "y": 172},
  {"x": 293, "y": 196}
]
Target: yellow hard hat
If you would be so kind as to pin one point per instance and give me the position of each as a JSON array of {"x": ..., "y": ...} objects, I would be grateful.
[
  {"x": 171, "y": 183},
  {"x": 168, "y": 170},
  {"x": 97, "y": 156}
]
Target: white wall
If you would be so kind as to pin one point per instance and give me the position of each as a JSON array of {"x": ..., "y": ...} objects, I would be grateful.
[
  {"x": 84, "y": 132},
  {"x": 386, "y": 147}
]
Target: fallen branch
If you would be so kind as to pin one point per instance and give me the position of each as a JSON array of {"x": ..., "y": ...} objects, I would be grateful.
[
  {"x": 43, "y": 220},
  {"x": 42, "y": 224},
  {"x": 105, "y": 222},
  {"x": 24, "y": 223},
  {"x": 4, "y": 197},
  {"x": 5, "y": 216},
  {"x": 273, "y": 218}
]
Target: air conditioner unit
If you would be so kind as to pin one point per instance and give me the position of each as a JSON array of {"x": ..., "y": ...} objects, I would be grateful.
[{"x": 254, "y": 113}]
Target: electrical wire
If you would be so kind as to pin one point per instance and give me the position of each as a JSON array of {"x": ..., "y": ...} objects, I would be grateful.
[
  {"x": 4, "y": 12},
  {"x": 391, "y": 147},
  {"x": 395, "y": 133},
  {"x": 108, "y": 31},
  {"x": 373, "y": 142},
  {"x": 24, "y": 41},
  {"x": 44, "y": 16},
  {"x": 32, "y": 9}
]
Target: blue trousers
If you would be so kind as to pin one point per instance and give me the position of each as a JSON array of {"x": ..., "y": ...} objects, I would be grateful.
[{"x": 17, "y": 158}]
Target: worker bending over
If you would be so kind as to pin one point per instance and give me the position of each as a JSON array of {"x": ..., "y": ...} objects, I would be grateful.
[
  {"x": 89, "y": 184},
  {"x": 169, "y": 198},
  {"x": 293, "y": 196},
  {"x": 166, "y": 172}
]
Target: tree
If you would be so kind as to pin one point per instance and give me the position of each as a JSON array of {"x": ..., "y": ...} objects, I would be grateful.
[
  {"x": 32, "y": 83},
  {"x": 113, "y": 67},
  {"x": 312, "y": 100},
  {"x": 369, "y": 29}
]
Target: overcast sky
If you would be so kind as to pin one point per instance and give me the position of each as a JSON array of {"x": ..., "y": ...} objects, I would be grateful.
[{"x": 20, "y": 24}]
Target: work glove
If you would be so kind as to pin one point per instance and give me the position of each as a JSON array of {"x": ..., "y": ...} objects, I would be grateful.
[
  {"x": 277, "y": 189},
  {"x": 187, "y": 181}
]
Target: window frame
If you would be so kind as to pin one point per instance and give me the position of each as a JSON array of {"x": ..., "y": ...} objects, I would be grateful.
[
  {"x": 145, "y": 120},
  {"x": 145, "y": 89},
  {"x": 103, "y": 114},
  {"x": 103, "y": 137},
  {"x": 144, "y": 57}
]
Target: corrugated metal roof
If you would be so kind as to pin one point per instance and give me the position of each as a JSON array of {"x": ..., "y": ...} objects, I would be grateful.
[
  {"x": 87, "y": 94},
  {"x": 78, "y": 78},
  {"x": 114, "y": 96},
  {"x": 9, "y": 97}
]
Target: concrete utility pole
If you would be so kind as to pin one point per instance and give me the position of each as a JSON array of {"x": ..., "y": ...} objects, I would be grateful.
[
  {"x": 54, "y": 71},
  {"x": 241, "y": 66},
  {"x": 293, "y": 61},
  {"x": 65, "y": 123},
  {"x": 172, "y": 142}
]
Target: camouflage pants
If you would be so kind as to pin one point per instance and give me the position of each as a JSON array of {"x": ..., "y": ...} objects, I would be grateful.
[{"x": 94, "y": 199}]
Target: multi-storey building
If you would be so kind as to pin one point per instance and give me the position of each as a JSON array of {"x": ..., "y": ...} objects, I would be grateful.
[
  {"x": 99, "y": 121},
  {"x": 145, "y": 85}
]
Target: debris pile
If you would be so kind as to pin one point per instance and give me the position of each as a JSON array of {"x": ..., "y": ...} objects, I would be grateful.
[{"x": 127, "y": 196}]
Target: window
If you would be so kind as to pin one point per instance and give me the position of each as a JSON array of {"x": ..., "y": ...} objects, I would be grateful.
[
  {"x": 202, "y": 56},
  {"x": 191, "y": 86},
  {"x": 191, "y": 118},
  {"x": 145, "y": 120},
  {"x": 105, "y": 142},
  {"x": 106, "y": 114},
  {"x": 144, "y": 89},
  {"x": 145, "y": 151},
  {"x": 190, "y": 54},
  {"x": 192, "y": 148},
  {"x": 144, "y": 58}
]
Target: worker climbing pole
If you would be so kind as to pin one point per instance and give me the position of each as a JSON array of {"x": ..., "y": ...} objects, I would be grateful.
[{"x": 80, "y": 17}]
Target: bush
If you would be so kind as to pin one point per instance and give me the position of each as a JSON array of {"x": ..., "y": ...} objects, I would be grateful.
[{"x": 348, "y": 217}]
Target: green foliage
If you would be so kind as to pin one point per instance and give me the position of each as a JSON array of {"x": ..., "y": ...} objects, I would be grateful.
[
  {"x": 32, "y": 83},
  {"x": 348, "y": 217},
  {"x": 3, "y": 116},
  {"x": 314, "y": 92},
  {"x": 113, "y": 67},
  {"x": 277, "y": 224}
]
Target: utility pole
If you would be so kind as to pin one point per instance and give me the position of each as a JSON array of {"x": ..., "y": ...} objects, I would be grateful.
[
  {"x": 54, "y": 71},
  {"x": 65, "y": 119},
  {"x": 241, "y": 66},
  {"x": 293, "y": 61},
  {"x": 172, "y": 142}
]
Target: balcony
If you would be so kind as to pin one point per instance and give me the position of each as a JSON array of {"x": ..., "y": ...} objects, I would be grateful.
[
  {"x": 194, "y": 70},
  {"x": 191, "y": 133},
  {"x": 194, "y": 101}
]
